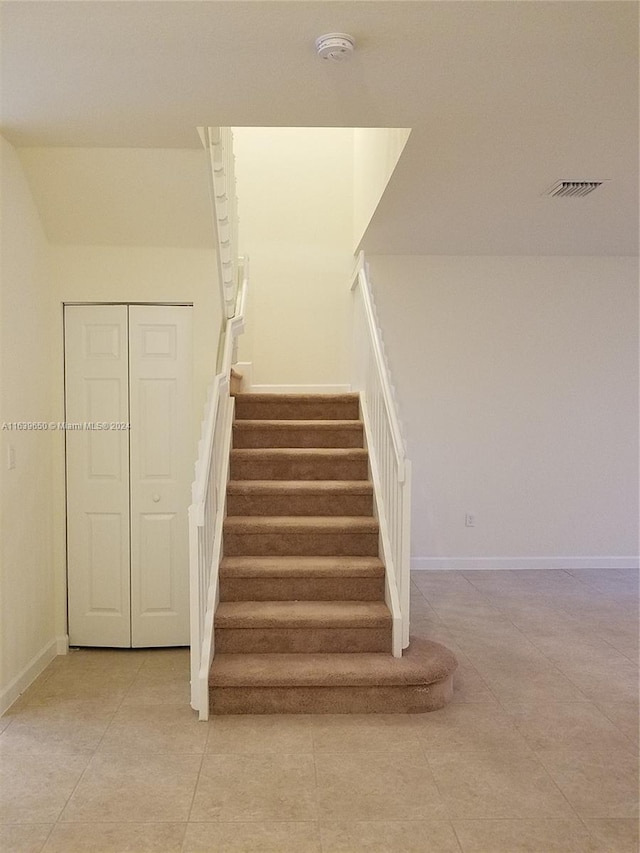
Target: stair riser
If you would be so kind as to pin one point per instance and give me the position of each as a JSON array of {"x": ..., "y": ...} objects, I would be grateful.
[
  {"x": 302, "y": 640},
  {"x": 297, "y": 410},
  {"x": 263, "y": 437},
  {"x": 299, "y": 505},
  {"x": 332, "y": 700},
  {"x": 301, "y": 544},
  {"x": 298, "y": 469},
  {"x": 301, "y": 589}
]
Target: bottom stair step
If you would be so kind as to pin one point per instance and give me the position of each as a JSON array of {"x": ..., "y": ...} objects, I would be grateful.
[{"x": 419, "y": 681}]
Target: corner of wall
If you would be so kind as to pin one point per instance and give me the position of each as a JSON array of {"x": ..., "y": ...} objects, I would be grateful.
[{"x": 26, "y": 559}]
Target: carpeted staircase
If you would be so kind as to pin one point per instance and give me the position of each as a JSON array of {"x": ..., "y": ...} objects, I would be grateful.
[{"x": 302, "y": 625}]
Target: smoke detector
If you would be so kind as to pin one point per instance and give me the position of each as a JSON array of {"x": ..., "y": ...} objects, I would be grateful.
[{"x": 335, "y": 46}]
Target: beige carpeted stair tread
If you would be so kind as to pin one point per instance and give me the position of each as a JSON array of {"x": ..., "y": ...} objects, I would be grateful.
[
  {"x": 299, "y": 453},
  {"x": 424, "y": 662},
  {"x": 301, "y": 567},
  {"x": 320, "y": 399},
  {"x": 300, "y": 463},
  {"x": 321, "y": 524},
  {"x": 300, "y": 487},
  {"x": 302, "y": 614},
  {"x": 299, "y": 498},
  {"x": 297, "y": 406},
  {"x": 297, "y": 433},
  {"x": 289, "y": 424}
]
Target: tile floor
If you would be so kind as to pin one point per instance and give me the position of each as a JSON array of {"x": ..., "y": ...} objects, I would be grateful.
[{"x": 537, "y": 752}]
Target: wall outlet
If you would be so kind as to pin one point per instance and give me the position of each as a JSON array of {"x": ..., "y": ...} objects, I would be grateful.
[{"x": 470, "y": 519}]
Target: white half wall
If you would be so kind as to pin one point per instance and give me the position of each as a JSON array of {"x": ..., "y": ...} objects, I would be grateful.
[
  {"x": 517, "y": 380},
  {"x": 27, "y": 632},
  {"x": 295, "y": 190}
]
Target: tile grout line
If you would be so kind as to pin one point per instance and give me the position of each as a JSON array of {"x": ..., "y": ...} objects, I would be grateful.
[
  {"x": 195, "y": 788},
  {"x": 317, "y": 789},
  {"x": 457, "y": 837}
]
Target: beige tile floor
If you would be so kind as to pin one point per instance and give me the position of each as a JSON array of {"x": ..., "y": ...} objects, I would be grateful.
[{"x": 537, "y": 752}]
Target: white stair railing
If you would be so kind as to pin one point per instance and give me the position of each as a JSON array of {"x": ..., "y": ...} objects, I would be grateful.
[
  {"x": 206, "y": 513},
  {"x": 390, "y": 468},
  {"x": 219, "y": 143}
]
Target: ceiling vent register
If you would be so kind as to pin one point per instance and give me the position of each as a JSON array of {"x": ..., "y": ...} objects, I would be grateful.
[{"x": 573, "y": 189}]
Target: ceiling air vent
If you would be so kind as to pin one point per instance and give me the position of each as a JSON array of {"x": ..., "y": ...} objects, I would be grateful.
[{"x": 573, "y": 189}]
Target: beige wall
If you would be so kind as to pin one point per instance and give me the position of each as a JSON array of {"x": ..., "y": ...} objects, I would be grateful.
[
  {"x": 295, "y": 190},
  {"x": 376, "y": 151},
  {"x": 37, "y": 278},
  {"x": 518, "y": 386},
  {"x": 28, "y": 638},
  {"x": 121, "y": 196},
  {"x": 130, "y": 274}
]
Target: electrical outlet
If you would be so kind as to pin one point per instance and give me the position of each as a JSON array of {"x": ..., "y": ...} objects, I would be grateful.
[{"x": 470, "y": 519}]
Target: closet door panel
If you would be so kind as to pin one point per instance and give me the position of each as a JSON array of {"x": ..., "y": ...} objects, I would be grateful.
[
  {"x": 98, "y": 547},
  {"x": 161, "y": 472}
]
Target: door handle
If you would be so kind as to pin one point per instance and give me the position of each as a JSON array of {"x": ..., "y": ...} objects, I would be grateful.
[{"x": 156, "y": 498}]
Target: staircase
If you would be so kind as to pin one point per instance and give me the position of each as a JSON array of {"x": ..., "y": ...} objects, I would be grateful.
[{"x": 302, "y": 625}]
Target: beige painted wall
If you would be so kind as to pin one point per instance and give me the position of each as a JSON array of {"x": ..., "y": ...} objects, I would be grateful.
[
  {"x": 26, "y": 493},
  {"x": 37, "y": 278},
  {"x": 376, "y": 151},
  {"x": 295, "y": 190},
  {"x": 121, "y": 196},
  {"x": 518, "y": 386},
  {"x": 130, "y": 274}
]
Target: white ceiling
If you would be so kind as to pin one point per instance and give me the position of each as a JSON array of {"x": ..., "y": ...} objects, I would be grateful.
[{"x": 504, "y": 98}]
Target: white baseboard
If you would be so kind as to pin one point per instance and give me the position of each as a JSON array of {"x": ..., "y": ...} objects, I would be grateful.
[
  {"x": 300, "y": 389},
  {"x": 62, "y": 645},
  {"x": 27, "y": 675},
  {"x": 470, "y": 563}
]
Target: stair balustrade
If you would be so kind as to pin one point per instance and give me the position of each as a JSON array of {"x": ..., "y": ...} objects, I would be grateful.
[
  {"x": 390, "y": 467},
  {"x": 206, "y": 513}
]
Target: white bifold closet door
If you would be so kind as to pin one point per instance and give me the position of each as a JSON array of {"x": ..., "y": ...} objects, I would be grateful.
[{"x": 128, "y": 371}]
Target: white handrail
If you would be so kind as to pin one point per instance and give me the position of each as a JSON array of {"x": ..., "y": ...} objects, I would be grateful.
[
  {"x": 390, "y": 467},
  {"x": 206, "y": 513}
]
